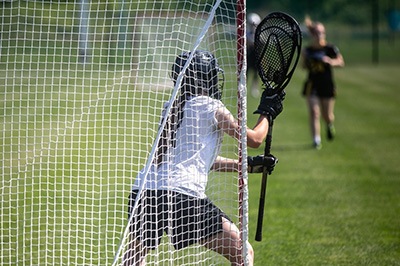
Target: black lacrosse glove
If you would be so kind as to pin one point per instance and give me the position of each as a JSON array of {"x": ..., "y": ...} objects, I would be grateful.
[
  {"x": 270, "y": 105},
  {"x": 257, "y": 163}
]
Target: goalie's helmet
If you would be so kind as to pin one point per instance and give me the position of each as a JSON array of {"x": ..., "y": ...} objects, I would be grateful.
[{"x": 203, "y": 75}]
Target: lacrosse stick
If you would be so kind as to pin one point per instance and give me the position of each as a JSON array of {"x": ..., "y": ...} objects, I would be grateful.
[{"x": 277, "y": 47}]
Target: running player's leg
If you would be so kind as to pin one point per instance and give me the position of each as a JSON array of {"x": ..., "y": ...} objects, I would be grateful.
[
  {"x": 314, "y": 116},
  {"x": 327, "y": 110}
]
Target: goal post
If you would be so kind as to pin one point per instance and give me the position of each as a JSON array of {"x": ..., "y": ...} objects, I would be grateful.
[{"x": 84, "y": 88}]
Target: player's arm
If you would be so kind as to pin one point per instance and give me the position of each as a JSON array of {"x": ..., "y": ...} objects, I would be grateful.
[
  {"x": 303, "y": 59},
  {"x": 269, "y": 108},
  {"x": 255, "y": 164},
  {"x": 222, "y": 164},
  {"x": 230, "y": 126},
  {"x": 336, "y": 60}
]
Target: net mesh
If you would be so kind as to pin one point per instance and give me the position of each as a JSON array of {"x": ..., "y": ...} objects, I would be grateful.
[{"x": 84, "y": 88}]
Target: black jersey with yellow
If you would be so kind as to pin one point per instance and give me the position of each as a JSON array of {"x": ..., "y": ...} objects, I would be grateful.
[{"x": 320, "y": 76}]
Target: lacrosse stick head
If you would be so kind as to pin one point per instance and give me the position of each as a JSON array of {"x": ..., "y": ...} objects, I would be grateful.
[{"x": 277, "y": 47}]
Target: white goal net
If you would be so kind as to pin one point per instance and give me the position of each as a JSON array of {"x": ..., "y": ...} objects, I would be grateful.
[{"x": 83, "y": 89}]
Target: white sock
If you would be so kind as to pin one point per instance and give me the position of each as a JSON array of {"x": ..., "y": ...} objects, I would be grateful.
[{"x": 317, "y": 139}]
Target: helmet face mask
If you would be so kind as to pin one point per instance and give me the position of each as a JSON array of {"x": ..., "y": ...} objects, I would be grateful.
[{"x": 203, "y": 75}]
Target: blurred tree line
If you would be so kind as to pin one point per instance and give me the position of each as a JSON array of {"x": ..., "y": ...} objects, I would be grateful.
[
  {"x": 362, "y": 29},
  {"x": 353, "y": 12},
  {"x": 349, "y": 12}
]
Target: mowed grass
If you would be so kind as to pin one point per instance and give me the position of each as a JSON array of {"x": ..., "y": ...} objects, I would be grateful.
[{"x": 339, "y": 205}]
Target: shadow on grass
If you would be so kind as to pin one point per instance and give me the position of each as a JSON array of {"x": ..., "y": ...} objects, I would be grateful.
[{"x": 294, "y": 147}]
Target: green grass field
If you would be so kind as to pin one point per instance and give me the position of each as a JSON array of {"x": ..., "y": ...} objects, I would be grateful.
[{"x": 339, "y": 205}]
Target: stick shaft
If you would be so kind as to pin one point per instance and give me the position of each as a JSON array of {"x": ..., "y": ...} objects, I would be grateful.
[{"x": 264, "y": 182}]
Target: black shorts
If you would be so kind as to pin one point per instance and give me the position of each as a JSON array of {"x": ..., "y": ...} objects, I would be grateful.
[
  {"x": 326, "y": 90},
  {"x": 185, "y": 219}
]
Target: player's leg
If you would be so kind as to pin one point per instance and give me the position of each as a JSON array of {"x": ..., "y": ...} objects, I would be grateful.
[
  {"x": 255, "y": 86},
  {"x": 252, "y": 74},
  {"x": 135, "y": 255},
  {"x": 228, "y": 244},
  {"x": 327, "y": 110},
  {"x": 314, "y": 117},
  {"x": 146, "y": 227},
  {"x": 200, "y": 221}
]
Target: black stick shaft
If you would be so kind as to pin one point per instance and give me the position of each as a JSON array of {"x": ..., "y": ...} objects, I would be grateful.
[{"x": 264, "y": 181}]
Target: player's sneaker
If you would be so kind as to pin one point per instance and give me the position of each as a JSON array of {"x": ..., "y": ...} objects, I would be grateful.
[
  {"x": 331, "y": 132},
  {"x": 317, "y": 145}
]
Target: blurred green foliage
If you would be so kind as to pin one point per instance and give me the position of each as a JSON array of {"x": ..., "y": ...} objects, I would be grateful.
[
  {"x": 348, "y": 23},
  {"x": 350, "y": 12}
]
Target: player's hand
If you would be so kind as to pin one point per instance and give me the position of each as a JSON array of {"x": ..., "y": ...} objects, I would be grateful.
[
  {"x": 271, "y": 105},
  {"x": 327, "y": 60},
  {"x": 257, "y": 163}
]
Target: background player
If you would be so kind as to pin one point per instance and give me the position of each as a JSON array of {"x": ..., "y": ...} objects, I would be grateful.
[
  {"x": 319, "y": 89},
  {"x": 253, "y": 20}
]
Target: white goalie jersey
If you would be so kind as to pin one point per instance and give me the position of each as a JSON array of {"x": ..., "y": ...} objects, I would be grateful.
[{"x": 198, "y": 140}]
